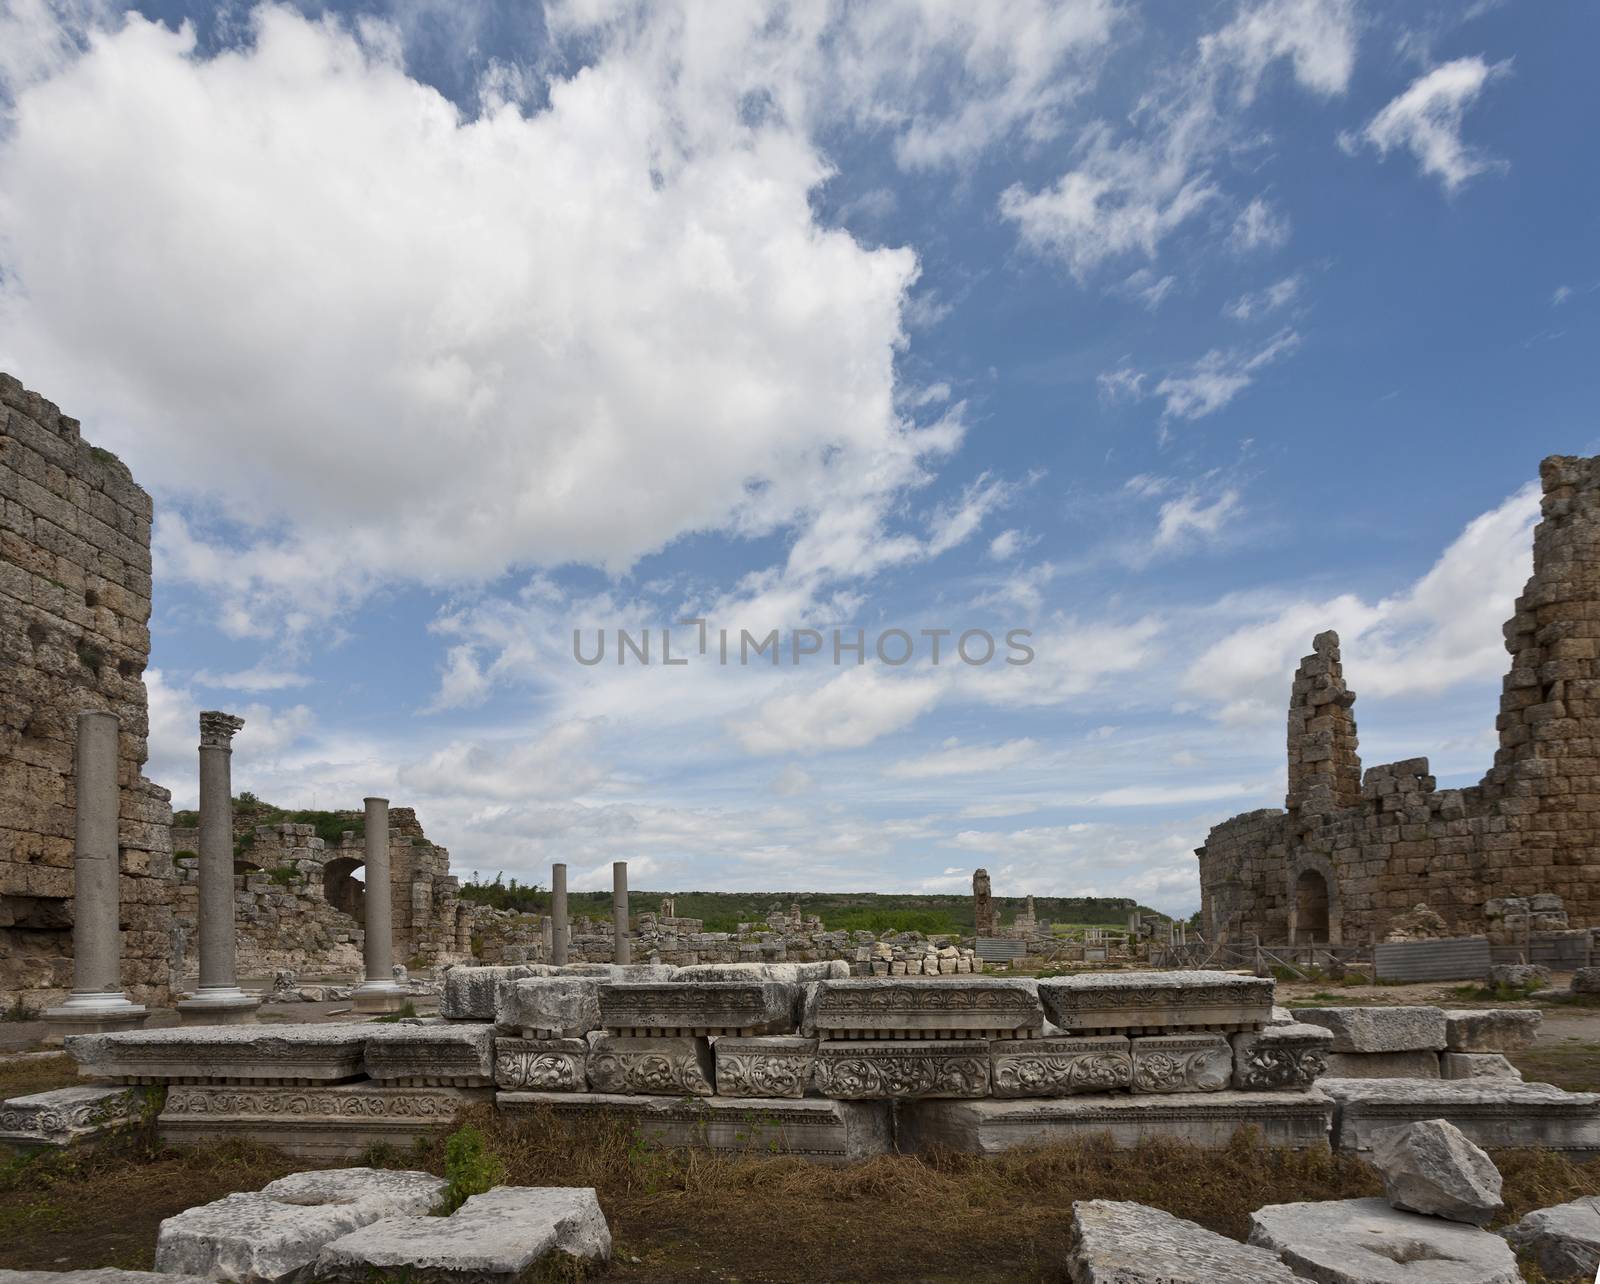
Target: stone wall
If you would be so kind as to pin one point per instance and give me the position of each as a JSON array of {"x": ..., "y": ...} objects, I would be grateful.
[
  {"x": 74, "y": 635},
  {"x": 1340, "y": 863}
]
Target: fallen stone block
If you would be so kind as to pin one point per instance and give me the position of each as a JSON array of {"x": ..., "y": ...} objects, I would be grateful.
[
  {"x": 456, "y": 1054},
  {"x": 954, "y": 1007},
  {"x": 1059, "y": 1067},
  {"x": 1491, "y": 1029},
  {"x": 1124, "y": 1243},
  {"x": 1519, "y": 976},
  {"x": 67, "y": 1115},
  {"x": 790, "y": 973},
  {"x": 1493, "y": 1113},
  {"x": 671, "y": 1065},
  {"x": 273, "y": 1235},
  {"x": 1157, "y": 1002},
  {"x": 102, "y": 1275},
  {"x": 1476, "y": 1065},
  {"x": 494, "y": 1236},
  {"x": 865, "y": 1069},
  {"x": 549, "y": 1007},
  {"x": 701, "y": 1008},
  {"x": 1564, "y": 1240},
  {"x": 1287, "y": 1056},
  {"x": 1182, "y": 1063},
  {"x": 642, "y": 973},
  {"x": 469, "y": 992},
  {"x": 1430, "y": 1167},
  {"x": 1397, "y": 1029},
  {"x": 1382, "y": 1065},
  {"x": 1586, "y": 980},
  {"x": 328, "y": 1122},
  {"x": 1299, "y": 1120},
  {"x": 541, "y": 1065},
  {"x": 1364, "y": 1241},
  {"x": 814, "y": 1128},
  {"x": 766, "y": 1066},
  {"x": 294, "y": 1054}
]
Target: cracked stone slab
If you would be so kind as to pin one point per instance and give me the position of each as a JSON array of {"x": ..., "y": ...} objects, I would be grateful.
[
  {"x": 1493, "y": 1113},
  {"x": 273, "y": 1235},
  {"x": 1125, "y": 1243},
  {"x": 1058, "y": 1066},
  {"x": 1285, "y": 1055},
  {"x": 672, "y": 1065},
  {"x": 493, "y": 1236},
  {"x": 102, "y": 1275},
  {"x": 775, "y": 1065},
  {"x": 541, "y": 1065},
  {"x": 469, "y": 992},
  {"x": 939, "y": 1007},
  {"x": 1432, "y": 1168},
  {"x": 1364, "y": 1241},
  {"x": 1491, "y": 1029},
  {"x": 1157, "y": 1002},
  {"x": 1396, "y": 1029},
  {"x": 549, "y": 1007},
  {"x": 1564, "y": 1240},
  {"x": 697, "y": 1008},
  {"x": 304, "y": 1053},
  {"x": 1476, "y": 1065},
  {"x": 454, "y": 1054},
  {"x": 65, "y": 1115},
  {"x": 902, "y": 1069}
]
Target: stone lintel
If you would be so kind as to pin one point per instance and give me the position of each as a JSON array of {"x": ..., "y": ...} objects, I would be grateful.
[
  {"x": 304, "y": 1053},
  {"x": 700, "y": 1008},
  {"x": 938, "y": 1007},
  {"x": 452, "y": 1054},
  {"x": 1157, "y": 1002}
]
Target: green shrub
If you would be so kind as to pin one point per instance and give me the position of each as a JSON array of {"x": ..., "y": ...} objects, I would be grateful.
[{"x": 470, "y": 1168}]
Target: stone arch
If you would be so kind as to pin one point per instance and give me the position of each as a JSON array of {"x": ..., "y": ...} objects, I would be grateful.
[
  {"x": 1315, "y": 913},
  {"x": 342, "y": 890}
]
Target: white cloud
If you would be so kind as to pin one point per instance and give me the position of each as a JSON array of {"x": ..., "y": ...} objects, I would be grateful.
[
  {"x": 1426, "y": 120},
  {"x": 1193, "y": 518},
  {"x": 956, "y": 759},
  {"x": 1220, "y": 376},
  {"x": 1260, "y": 303},
  {"x": 462, "y": 684},
  {"x": 1145, "y": 287},
  {"x": 1122, "y": 384},
  {"x": 1259, "y": 227},
  {"x": 1007, "y": 544},
  {"x": 793, "y": 781},
  {"x": 563, "y": 763},
  {"x": 846, "y": 712},
  {"x": 254, "y": 679}
]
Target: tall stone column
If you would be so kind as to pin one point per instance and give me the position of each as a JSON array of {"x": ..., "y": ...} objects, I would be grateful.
[
  {"x": 97, "y": 1002},
  {"x": 558, "y": 914},
  {"x": 379, "y": 992},
  {"x": 219, "y": 1000},
  {"x": 622, "y": 951}
]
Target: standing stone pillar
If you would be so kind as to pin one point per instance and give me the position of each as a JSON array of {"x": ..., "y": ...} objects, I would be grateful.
[
  {"x": 547, "y": 939},
  {"x": 97, "y": 1002},
  {"x": 559, "y": 931},
  {"x": 219, "y": 1000},
  {"x": 379, "y": 992},
  {"x": 622, "y": 951}
]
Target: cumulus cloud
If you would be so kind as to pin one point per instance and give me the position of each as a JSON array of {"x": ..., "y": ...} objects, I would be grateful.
[
  {"x": 174, "y": 738},
  {"x": 846, "y": 712},
  {"x": 1426, "y": 120},
  {"x": 562, "y": 763}
]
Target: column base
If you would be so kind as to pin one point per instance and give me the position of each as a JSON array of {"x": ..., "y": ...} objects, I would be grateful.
[
  {"x": 98, "y": 1013},
  {"x": 224, "y": 1005},
  {"x": 379, "y": 997}
]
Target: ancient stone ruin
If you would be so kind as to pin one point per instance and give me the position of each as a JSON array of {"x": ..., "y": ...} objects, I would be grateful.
[{"x": 1351, "y": 853}]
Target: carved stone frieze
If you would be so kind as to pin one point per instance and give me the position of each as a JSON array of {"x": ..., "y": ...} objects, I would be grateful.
[
  {"x": 945, "y": 1007},
  {"x": 775, "y": 1066},
  {"x": 859, "y": 1069},
  {"x": 1060, "y": 1067},
  {"x": 1280, "y": 1056},
  {"x": 670, "y": 1066},
  {"x": 541, "y": 1065},
  {"x": 1182, "y": 1063}
]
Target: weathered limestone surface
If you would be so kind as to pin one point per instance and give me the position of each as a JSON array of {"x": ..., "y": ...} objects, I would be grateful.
[
  {"x": 700, "y": 1008},
  {"x": 766, "y": 1066},
  {"x": 793, "y": 973},
  {"x": 65, "y": 1115},
  {"x": 1364, "y": 1241},
  {"x": 1182, "y": 1063},
  {"x": 864, "y": 1069},
  {"x": 1059, "y": 1067},
  {"x": 549, "y": 1007},
  {"x": 1156, "y": 1002},
  {"x": 103, "y": 1275},
  {"x": 273, "y": 1235},
  {"x": 1125, "y": 1243},
  {"x": 1288, "y": 1056},
  {"x": 1383, "y": 1065},
  {"x": 870, "y": 1007},
  {"x": 456, "y": 1054},
  {"x": 1586, "y": 980},
  {"x": 1430, "y": 1167},
  {"x": 288, "y": 1053},
  {"x": 1476, "y": 1065},
  {"x": 668, "y": 1065},
  {"x": 494, "y": 1236},
  {"x": 470, "y": 993},
  {"x": 541, "y": 1065},
  {"x": 1493, "y": 1113},
  {"x": 1398, "y": 1029},
  {"x": 1491, "y": 1029},
  {"x": 813, "y": 1127},
  {"x": 1564, "y": 1240},
  {"x": 1299, "y": 1120}
]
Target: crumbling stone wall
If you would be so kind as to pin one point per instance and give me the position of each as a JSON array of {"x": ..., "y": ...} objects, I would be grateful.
[
  {"x": 1531, "y": 827},
  {"x": 74, "y": 635}
]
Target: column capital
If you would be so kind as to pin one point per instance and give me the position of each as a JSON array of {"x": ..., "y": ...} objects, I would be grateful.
[{"x": 218, "y": 729}]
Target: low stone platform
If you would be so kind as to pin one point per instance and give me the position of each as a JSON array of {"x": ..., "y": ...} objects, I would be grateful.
[
  {"x": 1494, "y": 1113},
  {"x": 813, "y": 1128},
  {"x": 1299, "y": 1120},
  {"x": 67, "y": 1116},
  {"x": 698, "y": 1009},
  {"x": 280, "y": 1054},
  {"x": 1124, "y": 1243},
  {"x": 904, "y": 1069},
  {"x": 1135, "y": 1003},
  {"x": 327, "y": 1122},
  {"x": 884, "y": 1008}
]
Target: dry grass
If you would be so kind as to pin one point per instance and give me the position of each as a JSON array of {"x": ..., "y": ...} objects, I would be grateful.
[
  {"x": 27, "y": 1075},
  {"x": 1573, "y": 1064}
]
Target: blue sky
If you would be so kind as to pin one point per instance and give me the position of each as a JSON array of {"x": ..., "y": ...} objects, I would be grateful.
[{"x": 1172, "y": 334}]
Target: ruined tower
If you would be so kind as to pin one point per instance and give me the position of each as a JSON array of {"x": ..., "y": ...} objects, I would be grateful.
[{"x": 1324, "y": 768}]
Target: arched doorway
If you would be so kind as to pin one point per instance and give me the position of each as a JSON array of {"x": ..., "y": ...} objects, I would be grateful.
[
  {"x": 1310, "y": 908},
  {"x": 343, "y": 890}
]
